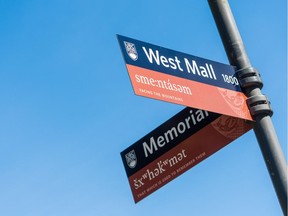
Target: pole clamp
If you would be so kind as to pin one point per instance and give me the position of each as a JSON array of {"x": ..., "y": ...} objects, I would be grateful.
[
  {"x": 249, "y": 77},
  {"x": 259, "y": 104}
]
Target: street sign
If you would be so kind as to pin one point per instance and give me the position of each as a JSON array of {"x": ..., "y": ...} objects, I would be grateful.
[
  {"x": 177, "y": 145},
  {"x": 164, "y": 74}
]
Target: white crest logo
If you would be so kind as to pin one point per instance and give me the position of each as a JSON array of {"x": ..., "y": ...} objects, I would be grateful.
[
  {"x": 131, "y": 50},
  {"x": 131, "y": 159}
]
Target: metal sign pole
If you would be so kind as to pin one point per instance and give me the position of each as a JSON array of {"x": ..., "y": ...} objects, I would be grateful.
[{"x": 258, "y": 104}]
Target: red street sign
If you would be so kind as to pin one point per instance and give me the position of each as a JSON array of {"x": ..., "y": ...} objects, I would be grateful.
[
  {"x": 176, "y": 77},
  {"x": 177, "y": 145}
]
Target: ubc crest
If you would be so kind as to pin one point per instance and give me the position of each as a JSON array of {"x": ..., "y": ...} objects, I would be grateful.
[
  {"x": 131, "y": 50},
  {"x": 131, "y": 159}
]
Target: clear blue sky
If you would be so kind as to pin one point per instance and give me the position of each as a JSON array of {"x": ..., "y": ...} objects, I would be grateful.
[{"x": 67, "y": 108}]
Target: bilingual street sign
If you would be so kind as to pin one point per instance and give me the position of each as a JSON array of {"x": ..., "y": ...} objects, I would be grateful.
[
  {"x": 177, "y": 145},
  {"x": 164, "y": 74},
  {"x": 217, "y": 118}
]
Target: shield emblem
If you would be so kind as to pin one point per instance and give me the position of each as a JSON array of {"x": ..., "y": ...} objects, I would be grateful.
[
  {"x": 131, "y": 50},
  {"x": 131, "y": 159}
]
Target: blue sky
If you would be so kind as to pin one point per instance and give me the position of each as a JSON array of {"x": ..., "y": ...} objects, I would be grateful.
[{"x": 67, "y": 107}]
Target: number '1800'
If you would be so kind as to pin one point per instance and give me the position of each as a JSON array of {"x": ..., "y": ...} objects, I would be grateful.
[{"x": 230, "y": 79}]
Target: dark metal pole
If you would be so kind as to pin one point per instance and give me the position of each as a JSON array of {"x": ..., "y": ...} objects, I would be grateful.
[{"x": 258, "y": 104}]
